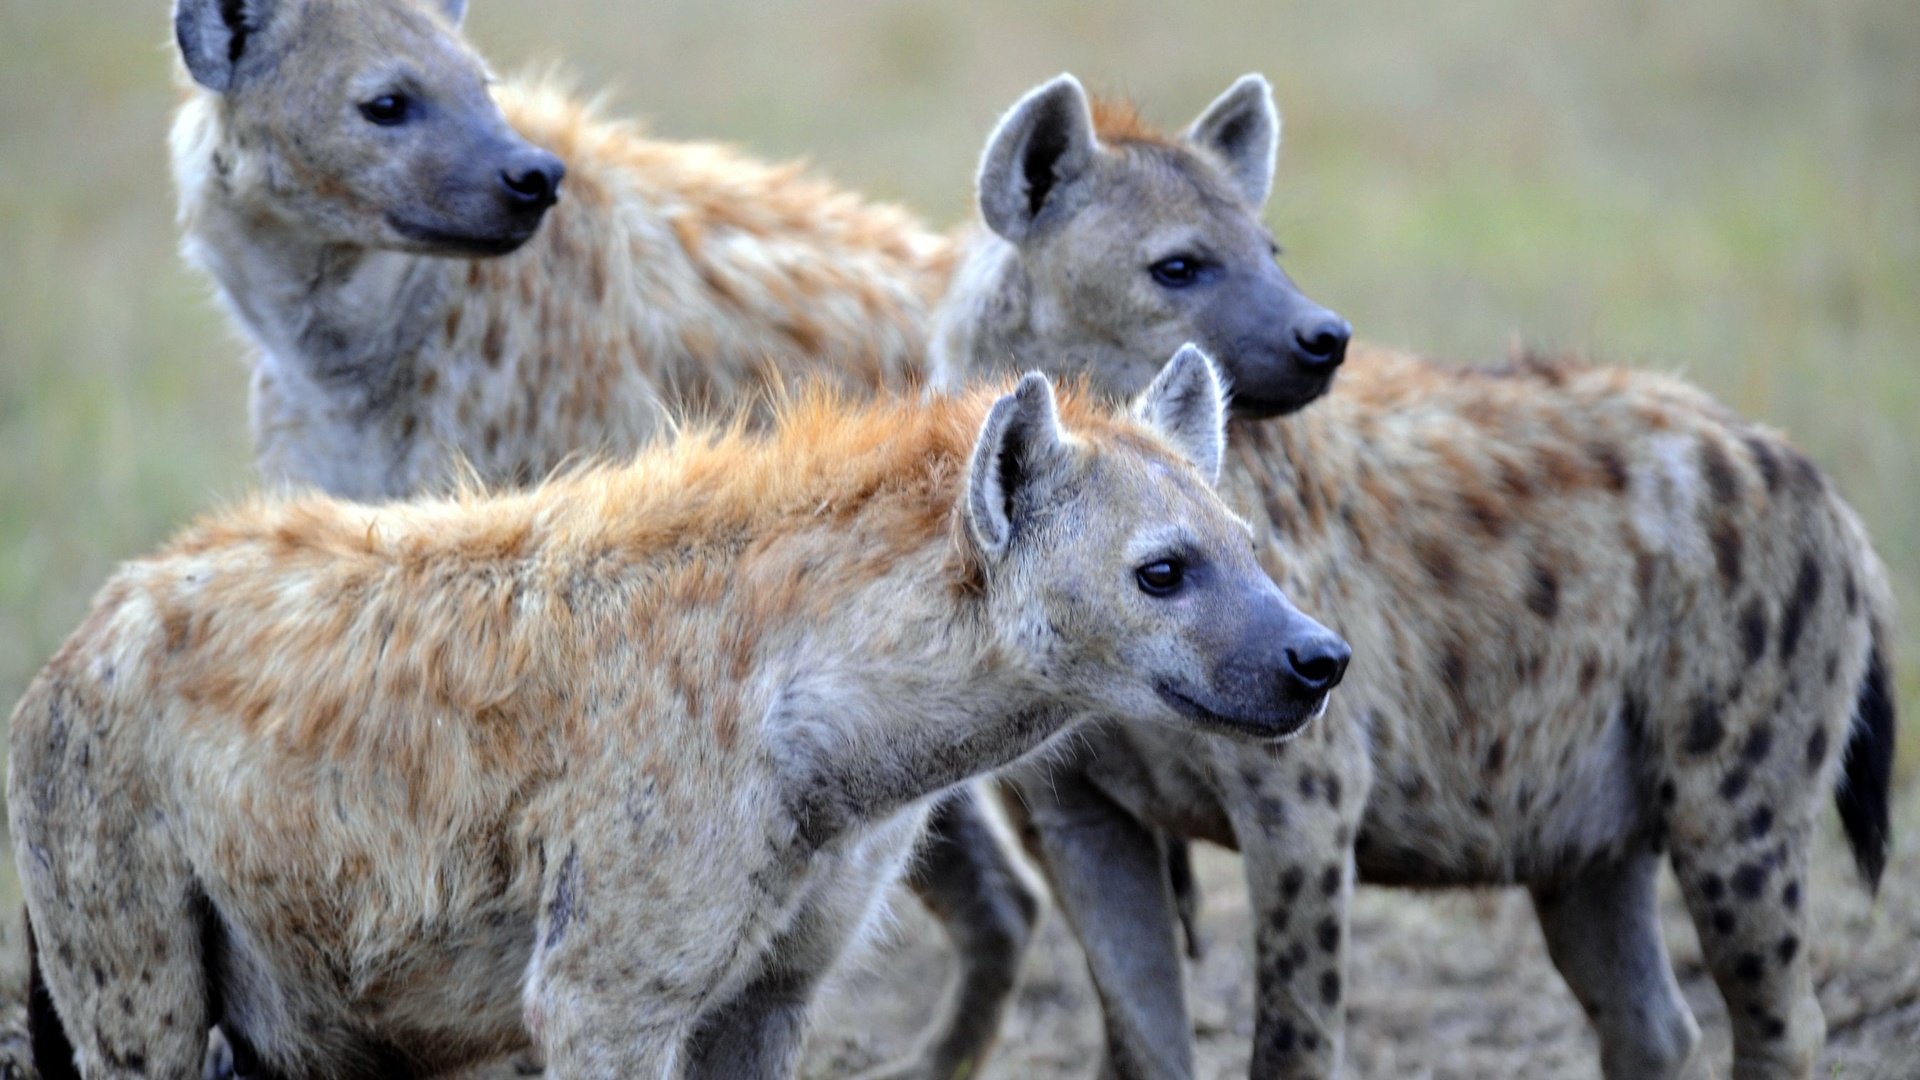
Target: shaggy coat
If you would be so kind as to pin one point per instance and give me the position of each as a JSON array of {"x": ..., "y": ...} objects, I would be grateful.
[
  {"x": 619, "y": 764},
  {"x": 1597, "y": 618}
]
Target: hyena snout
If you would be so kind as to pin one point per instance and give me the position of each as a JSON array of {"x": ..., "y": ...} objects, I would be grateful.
[
  {"x": 530, "y": 181},
  {"x": 1320, "y": 339},
  {"x": 1272, "y": 672}
]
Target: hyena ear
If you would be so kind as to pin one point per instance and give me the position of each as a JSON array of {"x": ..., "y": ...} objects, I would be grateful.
[
  {"x": 1041, "y": 145},
  {"x": 214, "y": 36},
  {"x": 1187, "y": 404},
  {"x": 1019, "y": 441},
  {"x": 1243, "y": 128}
]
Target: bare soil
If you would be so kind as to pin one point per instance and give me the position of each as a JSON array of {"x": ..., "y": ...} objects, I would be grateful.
[{"x": 1449, "y": 985}]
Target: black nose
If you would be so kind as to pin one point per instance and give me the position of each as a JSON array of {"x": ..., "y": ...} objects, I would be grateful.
[
  {"x": 1322, "y": 340},
  {"x": 1316, "y": 665},
  {"x": 532, "y": 180}
]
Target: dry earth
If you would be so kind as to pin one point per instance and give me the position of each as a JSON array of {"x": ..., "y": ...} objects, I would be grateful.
[{"x": 1446, "y": 985}]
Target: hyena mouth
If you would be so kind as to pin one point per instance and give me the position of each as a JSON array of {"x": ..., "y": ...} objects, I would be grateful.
[
  {"x": 1274, "y": 727},
  {"x": 454, "y": 243}
]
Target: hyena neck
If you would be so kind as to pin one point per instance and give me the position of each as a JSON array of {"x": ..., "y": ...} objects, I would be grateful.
[
  {"x": 905, "y": 694},
  {"x": 919, "y": 706},
  {"x": 347, "y": 319}
]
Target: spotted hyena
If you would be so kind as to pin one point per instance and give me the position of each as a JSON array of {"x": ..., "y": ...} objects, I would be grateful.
[
  {"x": 1600, "y": 621},
  {"x": 383, "y": 229},
  {"x": 670, "y": 278},
  {"x": 620, "y": 764}
]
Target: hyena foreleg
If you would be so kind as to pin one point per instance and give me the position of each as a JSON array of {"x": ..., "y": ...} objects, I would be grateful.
[{"x": 968, "y": 880}]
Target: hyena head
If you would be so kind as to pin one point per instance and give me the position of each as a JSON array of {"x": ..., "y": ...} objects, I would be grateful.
[
  {"x": 1123, "y": 576},
  {"x": 1132, "y": 243},
  {"x": 365, "y": 122}
]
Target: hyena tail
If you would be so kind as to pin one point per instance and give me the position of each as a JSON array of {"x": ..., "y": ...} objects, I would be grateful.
[
  {"x": 52, "y": 1050},
  {"x": 1862, "y": 794}
]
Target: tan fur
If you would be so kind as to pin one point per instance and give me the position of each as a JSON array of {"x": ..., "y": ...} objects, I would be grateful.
[
  {"x": 1594, "y": 614},
  {"x": 655, "y": 736}
]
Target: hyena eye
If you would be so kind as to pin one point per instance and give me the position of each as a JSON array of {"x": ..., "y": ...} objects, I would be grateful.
[
  {"x": 386, "y": 110},
  {"x": 1161, "y": 577},
  {"x": 1177, "y": 272}
]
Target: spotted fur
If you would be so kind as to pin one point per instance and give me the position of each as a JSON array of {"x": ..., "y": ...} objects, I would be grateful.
[
  {"x": 617, "y": 765},
  {"x": 1598, "y": 620}
]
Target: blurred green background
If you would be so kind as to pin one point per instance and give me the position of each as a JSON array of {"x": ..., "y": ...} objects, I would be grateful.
[{"x": 1730, "y": 190}]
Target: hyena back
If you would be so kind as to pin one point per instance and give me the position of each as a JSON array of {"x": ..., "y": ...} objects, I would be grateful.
[
  {"x": 1598, "y": 617},
  {"x": 646, "y": 742}
]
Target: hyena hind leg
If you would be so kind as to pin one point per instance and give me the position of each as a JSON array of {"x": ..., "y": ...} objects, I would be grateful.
[
  {"x": 129, "y": 986},
  {"x": 1744, "y": 890},
  {"x": 1603, "y": 932}
]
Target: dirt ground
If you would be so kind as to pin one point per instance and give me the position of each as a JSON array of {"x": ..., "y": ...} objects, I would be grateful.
[{"x": 1445, "y": 986}]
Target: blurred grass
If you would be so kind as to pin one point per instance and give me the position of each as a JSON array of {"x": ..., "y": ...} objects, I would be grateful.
[{"x": 1729, "y": 190}]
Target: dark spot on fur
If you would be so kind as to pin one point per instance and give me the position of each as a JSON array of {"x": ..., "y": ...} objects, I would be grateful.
[
  {"x": 1543, "y": 592},
  {"x": 1291, "y": 882},
  {"x": 1277, "y": 920},
  {"x": 1438, "y": 560},
  {"x": 1328, "y": 934},
  {"x": 1712, "y": 887},
  {"x": 1281, "y": 1038},
  {"x": 1612, "y": 466},
  {"x": 1790, "y": 896},
  {"x": 1722, "y": 481},
  {"x": 1851, "y": 591},
  {"x": 1308, "y": 783},
  {"x": 1748, "y": 880},
  {"x": 1788, "y": 948},
  {"x": 1330, "y": 880},
  {"x": 1759, "y": 743},
  {"x": 1772, "y": 1027},
  {"x": 1723, "y": 922},
  {"x": 1485, "y": 513},
  {"x": 1806, "y": 592},
  {"x": 1765, "y": 460},
  {"x": 1749, "y": 967},
  {"x": 1331, "y": 785},
  {"x": 1309, "y": 1041},
  {"x": 560, "y": 913},
  {"x": 1330, "y": 987},
  {"x": 1497, "y": 755},
  {"x": 1832, "y": 668},
  {"x": 1704, "y": 731},
  {"x": 1753, "y": 630},
  {"x": 1816, "y": 749},
  {"x": 1482, "y": 805},
  {"x": 1668, "y": 793},
  {"x": 1760, "y": 822},
  {"x": 1734, "y": 783},
  {"x": 1729, "y": 549}
]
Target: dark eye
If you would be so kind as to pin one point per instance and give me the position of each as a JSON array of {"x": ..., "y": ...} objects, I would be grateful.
[
  {"x": 1160, "y": 578},
  {"x": 1177, "y": 272},
  {"x": 386, "y": 110}
]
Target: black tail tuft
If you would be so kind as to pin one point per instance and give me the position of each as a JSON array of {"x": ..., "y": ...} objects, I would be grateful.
[
  {"x": 52, "y": 1051},
  {"x": 1863, "y": 792}
]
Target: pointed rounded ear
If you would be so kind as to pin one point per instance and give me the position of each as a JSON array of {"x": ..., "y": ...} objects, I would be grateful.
[
  {"x": 454, "y": 10},
  {"x": 1041, "y": 145},
  {"x": 214, "y": 36},
  {"x": 1243, "y": 128},
  {"x": 1020, "y": 440},
  {"x": 1187, "y": 404}
]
